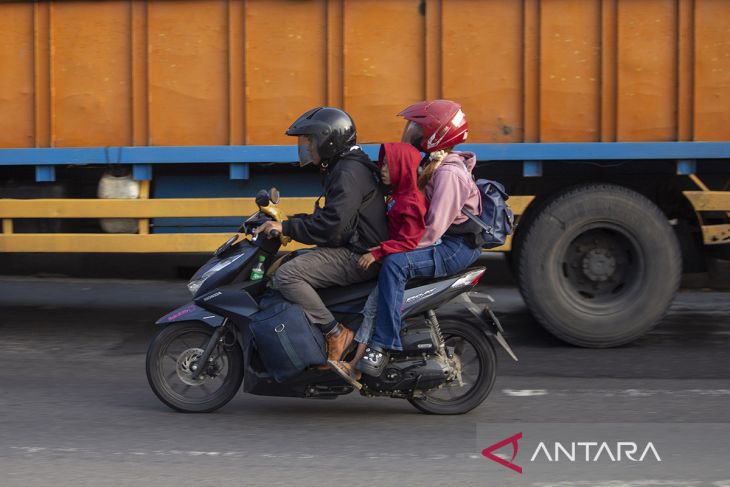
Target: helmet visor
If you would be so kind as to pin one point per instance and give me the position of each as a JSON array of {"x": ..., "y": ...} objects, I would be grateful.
[
  {"x": 307, "y": 151},
  {"x": 412, "y": 134}
]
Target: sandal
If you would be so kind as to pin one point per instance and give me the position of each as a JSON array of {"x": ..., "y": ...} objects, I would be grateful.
[{"x": 344, "y": 370}]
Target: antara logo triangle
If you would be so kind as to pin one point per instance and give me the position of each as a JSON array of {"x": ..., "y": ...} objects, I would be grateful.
[{"x": 488, "y": 452}]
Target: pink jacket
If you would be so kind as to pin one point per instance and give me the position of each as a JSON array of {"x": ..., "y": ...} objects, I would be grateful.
[{"x": 451, "y": 188}]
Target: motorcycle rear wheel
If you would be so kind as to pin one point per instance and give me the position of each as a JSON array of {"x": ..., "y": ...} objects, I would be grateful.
[
  {"x": 169, "y": 359},
  {"x": 454, "y": 399}
]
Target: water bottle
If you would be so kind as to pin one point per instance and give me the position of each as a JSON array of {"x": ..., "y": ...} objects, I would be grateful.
[{"x": 257, "y": 272}]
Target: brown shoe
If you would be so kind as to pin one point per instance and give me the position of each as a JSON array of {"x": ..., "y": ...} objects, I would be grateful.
[
  {"x": 337, "y": 345},
  {"x": 338, "y": 341}
]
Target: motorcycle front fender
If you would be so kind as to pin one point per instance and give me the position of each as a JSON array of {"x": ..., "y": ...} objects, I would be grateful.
[{"x": 191, "y": 312}]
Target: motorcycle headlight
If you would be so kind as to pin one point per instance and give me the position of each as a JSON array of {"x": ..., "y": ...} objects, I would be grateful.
[{"x": 194, "y": 285}]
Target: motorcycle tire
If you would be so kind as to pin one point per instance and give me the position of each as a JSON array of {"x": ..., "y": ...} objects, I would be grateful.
[
  {"x": 176, "y": 388},
  {"x": 486, "y": 357}
]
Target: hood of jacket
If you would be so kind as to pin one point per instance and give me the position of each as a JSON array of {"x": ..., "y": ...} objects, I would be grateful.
[
  {"x": 403, "y": 162},
  {"x": 468, "y": 159}
]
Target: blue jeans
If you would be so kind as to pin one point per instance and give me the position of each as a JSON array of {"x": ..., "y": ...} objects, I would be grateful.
[
  {"x": 449, "y": 257},
  {"x": 368, "y": 318}
]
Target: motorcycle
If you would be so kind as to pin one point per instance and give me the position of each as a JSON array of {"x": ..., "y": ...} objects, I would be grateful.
[{"x": 198, "y": 360}]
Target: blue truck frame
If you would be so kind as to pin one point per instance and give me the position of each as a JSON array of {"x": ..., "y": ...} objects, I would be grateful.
[{"x": 530, "y": 155}]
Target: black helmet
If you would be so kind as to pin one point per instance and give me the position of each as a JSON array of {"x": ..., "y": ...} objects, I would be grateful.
[{"x": 330, "y": 130}]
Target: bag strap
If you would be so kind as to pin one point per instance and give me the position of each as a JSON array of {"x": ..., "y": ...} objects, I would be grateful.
[
  {"x": 316, "y": 203},
  {"x": 477, "y": 220},
  {"x": 288, "y": 347}
]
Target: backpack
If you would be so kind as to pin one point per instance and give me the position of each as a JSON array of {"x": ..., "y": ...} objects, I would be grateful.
[{"x": 496, "y": 218}]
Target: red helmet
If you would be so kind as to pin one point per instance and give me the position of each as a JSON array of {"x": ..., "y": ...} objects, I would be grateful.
[{"x": 434, "y": 125}]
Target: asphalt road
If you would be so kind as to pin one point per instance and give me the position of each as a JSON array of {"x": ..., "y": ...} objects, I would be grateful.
[{"x": 75, "y": 407}]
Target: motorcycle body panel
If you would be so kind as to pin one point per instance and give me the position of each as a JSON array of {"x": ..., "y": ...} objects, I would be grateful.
[
  {"x": 191, "y": 312},
  {"x": 422, "y": 298},
  {"x": 239, "y": 254},
  {"x": 230, "y": 302}
]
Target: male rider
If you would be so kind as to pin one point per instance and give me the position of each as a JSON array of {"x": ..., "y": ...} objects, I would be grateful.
[{"x": 351, "y": 222}]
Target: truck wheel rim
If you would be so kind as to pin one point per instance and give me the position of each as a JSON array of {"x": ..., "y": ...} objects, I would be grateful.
[{"x": 602, "y": 266}]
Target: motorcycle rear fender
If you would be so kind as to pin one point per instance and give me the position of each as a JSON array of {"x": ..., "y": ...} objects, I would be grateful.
[
  {"x": 191, "y": 312},
  {"x": 420, "y": 299},
  {"x": 488, "y": 323}
]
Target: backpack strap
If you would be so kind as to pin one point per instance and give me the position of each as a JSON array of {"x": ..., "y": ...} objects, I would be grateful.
[{"x": 477, "y": 220}]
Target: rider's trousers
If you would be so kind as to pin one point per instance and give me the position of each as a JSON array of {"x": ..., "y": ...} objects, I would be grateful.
[
  {"x": 319, "y": 268},
  {"x": 452, "y": 255}
]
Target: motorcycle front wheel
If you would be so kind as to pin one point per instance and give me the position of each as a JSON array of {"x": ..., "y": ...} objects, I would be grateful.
[
  {"x": 170, "y": 360},
  {"x": 478, "y": 371}
]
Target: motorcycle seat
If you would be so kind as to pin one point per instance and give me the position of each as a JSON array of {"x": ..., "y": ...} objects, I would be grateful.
[{"x": 337, "y": 295}]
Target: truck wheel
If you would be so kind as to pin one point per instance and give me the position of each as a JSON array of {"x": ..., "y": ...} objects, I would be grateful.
[
  {"x": 523, "y": 223},
  {"x": 599, "y": 265}
]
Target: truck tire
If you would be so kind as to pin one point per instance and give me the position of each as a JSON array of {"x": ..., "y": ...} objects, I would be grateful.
[
  {"x": 599, "y": 265},
  {"x": 523, "y": 223}
]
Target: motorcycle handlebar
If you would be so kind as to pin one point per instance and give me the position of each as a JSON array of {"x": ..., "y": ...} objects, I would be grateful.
[{"x": 274, "y": 234}]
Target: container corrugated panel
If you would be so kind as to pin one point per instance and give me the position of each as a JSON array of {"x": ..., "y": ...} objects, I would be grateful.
[{"x": 218, "y": 72}]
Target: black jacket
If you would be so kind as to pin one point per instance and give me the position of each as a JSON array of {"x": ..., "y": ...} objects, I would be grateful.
[{"x": 354, "y": 212}]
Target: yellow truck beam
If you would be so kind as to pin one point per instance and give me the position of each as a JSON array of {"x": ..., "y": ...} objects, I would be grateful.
[
  {"x": 165, "y": 207},
  {"x": 119, "y": 242},
  {"x": 129, "y": 242},
  {"x": 146, "y": 208},
  {"x": 712, "y": 201},
  {"x": 709, "y": 200},
  {"x": 143, "y": 208},
  {"x": 716, "y": 234}
]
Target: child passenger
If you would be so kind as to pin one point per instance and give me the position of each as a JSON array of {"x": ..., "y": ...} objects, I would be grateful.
[{"x": 406, "y": 211}]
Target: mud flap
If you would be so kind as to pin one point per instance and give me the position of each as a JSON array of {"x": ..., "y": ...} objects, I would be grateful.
[{"x": 490, "y": 321}]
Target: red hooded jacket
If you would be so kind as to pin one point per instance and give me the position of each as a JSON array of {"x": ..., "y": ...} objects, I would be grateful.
[{"x": 406, "y": 224}]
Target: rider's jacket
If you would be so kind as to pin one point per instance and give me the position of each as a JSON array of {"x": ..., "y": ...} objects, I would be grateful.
[{"x": 353, "y": 215}]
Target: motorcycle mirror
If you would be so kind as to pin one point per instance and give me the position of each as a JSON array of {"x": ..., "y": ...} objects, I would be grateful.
[
  {"x": 274, "y": 195},
  {"x": 262, "y": 198}
]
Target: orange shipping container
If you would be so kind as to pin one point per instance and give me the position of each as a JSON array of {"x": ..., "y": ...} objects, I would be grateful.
[{"x": 218, "y": 72}]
